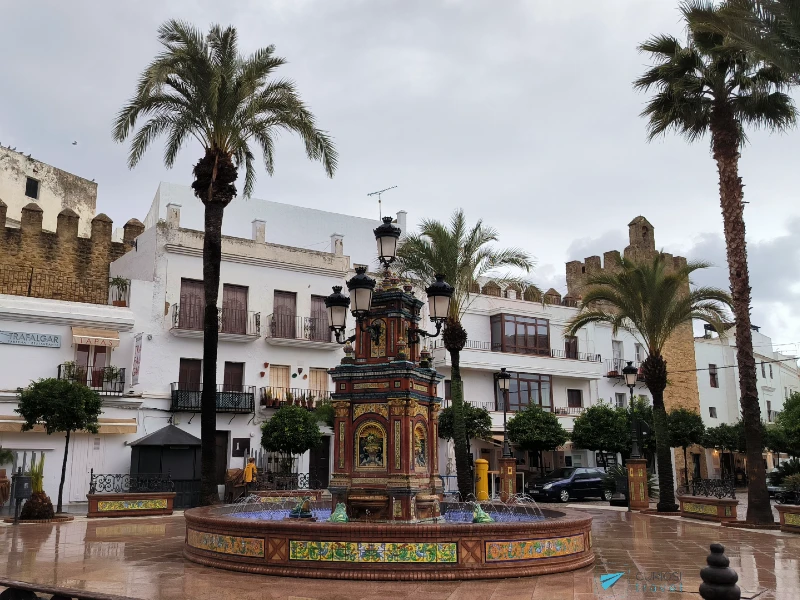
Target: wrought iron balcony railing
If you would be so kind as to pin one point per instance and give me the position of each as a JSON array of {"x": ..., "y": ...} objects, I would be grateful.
[
  {"x": 552, "y": 353},
  {"x": 292, "y": 327},
  {"x": 124, "y": 483},
  {"x": 106, "y": 381},
  {"x": 230, "y": 398},
  {"x": 189, "y": 315},
  {"x": 275, "y": 397},
  {"x": 614, "y": 367}
]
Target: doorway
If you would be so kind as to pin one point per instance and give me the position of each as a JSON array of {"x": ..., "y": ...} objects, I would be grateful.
[
  {"x": 222, "y": 455},
  {"x": 319, "y": 463}
]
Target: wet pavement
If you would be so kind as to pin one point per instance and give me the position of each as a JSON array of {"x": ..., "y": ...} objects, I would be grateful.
[{"x": 142, "y": 558}]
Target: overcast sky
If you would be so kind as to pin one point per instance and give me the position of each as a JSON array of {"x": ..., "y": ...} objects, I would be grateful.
[{"x": 522, "y": 113}]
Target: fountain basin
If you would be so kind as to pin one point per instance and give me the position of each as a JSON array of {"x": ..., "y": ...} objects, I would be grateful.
[{"x": 562, "y": 541}]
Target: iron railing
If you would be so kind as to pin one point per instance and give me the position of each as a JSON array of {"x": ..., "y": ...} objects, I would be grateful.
[
  {"x": 487, "y": 404},
  {"x": 38, "y": 283},
  {"x": 275, "y": 397},
  {"x": 291, "y": 481},
  {"x": 292, "y": 327},
  {"x": 125, "y": 483},
  {"x": 582, "y": 356},
  {"x": 230, "y": 398},
  {"x": 106, "y": 381},
  {"x": 614, "y": 367},
  {"x": 568, "y": 410},
  {"x": 552, "y": 353},
  {"x": 717, "y": 488},
  {"x": 470, "y": 345},
  {"x": 190, "y": 315}
]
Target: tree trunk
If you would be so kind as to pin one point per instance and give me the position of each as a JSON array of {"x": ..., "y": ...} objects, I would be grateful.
[
  {"x": 725, "y": 145},
  {"x": 212, "y": 256},
  {"x": 454, "y": 338},
  {"x": 63, "y": 474},
  {"x": 654, "y": 369},
  {"x": 685, "y": 469}
]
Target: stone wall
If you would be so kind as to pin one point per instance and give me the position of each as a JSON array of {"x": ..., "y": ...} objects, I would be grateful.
[{"x": 61, "y": 264}]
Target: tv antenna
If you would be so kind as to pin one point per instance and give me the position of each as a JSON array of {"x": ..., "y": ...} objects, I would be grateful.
[{"x": 378, "y": 194}]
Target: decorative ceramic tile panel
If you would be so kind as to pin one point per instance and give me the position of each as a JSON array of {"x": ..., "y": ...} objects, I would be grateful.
[
  {"x": 341, "y": 445},
  {"x": 226, "y": 544},
  {"x": 700, "y": 509},
  {"x": 397, "y": 445},
  {"x": 792, "y": 519},
  {"x": 116, "y": 505},
  {"x": 513, "y": 550},
  {"x": 383, "y": 552},
  {"x": 362, "y": 409}
]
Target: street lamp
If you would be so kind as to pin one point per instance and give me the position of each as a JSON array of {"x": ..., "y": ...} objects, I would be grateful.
[
  {"x": 439, "y": 293},
  {"x": 361, "y": 287},
  {"x": 387, "y": 235},
  {"x": 631, "y": 374},
  {"x": 503, "y": 379}
]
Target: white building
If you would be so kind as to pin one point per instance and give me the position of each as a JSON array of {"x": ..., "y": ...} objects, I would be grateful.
[
  {"x": 562, "y": 374},
  {"x": 718, "y": 382},
  {"x": 24, "y": 180}
]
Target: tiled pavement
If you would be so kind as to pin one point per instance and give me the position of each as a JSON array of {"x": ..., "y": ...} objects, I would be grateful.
[{"x": 142, "y": 558}]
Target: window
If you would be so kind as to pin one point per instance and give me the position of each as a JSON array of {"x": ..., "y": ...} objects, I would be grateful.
[
  {"x": 786, "y": 393},
  {"x": 90, "y": 362},
  {"x": 619, "y": 355},
  {"x": 234, "y": 309},
  {"x": 770, "y": 370},
  {"x": 577, "y": 460},
  {"x": 621, "y": 400},
  {"x": 318, "y": 382},
  {"x": 283, "y": 315},
  {"x": 571, "y": 346},
  {"x": 32, "y": 188},
  {"x": 769, "y": 411},
  {"x": 192, "y": 304},
  {"x": 189, "y": 374},
  {"x": 319, "y": 329},
  {"x": 713, "y": 380},
  {"x": 763, "y": 369},
  {"x": 640, "y": 355},
  {"x": 520, "y": 335},
  {"x": 712, "y": 412},
  {"x": 279, "y": 379},
  {"x": 447, "y": 390},
  {"x": 574, "y": 398},
  {"x": 567, "y": 461},
  {"x": 525, "y": 389},
  {"x": 234, "y": 377}
]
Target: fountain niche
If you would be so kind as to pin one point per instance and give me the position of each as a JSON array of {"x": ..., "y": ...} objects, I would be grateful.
[{"x": 387, "y": 517}]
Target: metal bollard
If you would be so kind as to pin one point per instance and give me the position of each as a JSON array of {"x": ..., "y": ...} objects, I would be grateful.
[{"x": 719, "y": 580}]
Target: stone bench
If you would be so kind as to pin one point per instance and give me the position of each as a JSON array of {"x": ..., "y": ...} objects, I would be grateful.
[
  {"x": 708, "y": 508},
  {"x": 789, "y": 517},
  {"x": 144, "y": 504}
]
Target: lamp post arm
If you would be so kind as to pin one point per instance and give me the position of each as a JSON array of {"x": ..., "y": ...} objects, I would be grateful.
[{"x": 414, "y": 333}]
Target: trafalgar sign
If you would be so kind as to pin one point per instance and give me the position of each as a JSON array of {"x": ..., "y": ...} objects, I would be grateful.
[{"x": 20, "y": 338}]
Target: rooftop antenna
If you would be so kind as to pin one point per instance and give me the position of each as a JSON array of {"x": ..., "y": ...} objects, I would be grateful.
[{"x": 378, "y": 193}]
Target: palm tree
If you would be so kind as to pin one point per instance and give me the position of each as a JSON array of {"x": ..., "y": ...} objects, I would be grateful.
[
  {"x": 650, "y": 300},
  {"x": 462, "y": 254},
  {"x": 711, "y": 86},
  {"x": 200, "y": 87},
  {"x": 770, "y": 29}
]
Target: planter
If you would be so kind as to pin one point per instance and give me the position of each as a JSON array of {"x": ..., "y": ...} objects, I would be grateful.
[
  {"x": 708, "y": 508},
  {"x": 789, "y": 517},
  {"x": 130, "y": 505},
  {"x": 122, "y": 303},
  {"x": 279, "y": 496}
]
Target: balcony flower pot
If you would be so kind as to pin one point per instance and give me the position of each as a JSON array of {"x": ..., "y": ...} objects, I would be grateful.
[
  {"x": 119, "y": 285},
  {"x": 613, "y": 374},
  {"x": 121, "y": 303}
]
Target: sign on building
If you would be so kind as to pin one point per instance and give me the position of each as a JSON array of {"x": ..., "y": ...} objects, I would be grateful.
[
  {"x": 20, "y": 338},
  {"x": 137, "y": 358}
]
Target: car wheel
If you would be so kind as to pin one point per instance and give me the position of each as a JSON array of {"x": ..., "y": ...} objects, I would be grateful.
[
  {"x": 563, "y": 495},
  {"x": 607, "y": 496}
]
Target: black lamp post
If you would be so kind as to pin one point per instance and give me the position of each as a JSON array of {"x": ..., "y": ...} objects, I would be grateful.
[
  {"x": 361, "y": 287},
  {"x": 631, "y": 374},
  {"x": 503, "y": 378},
  {"x": 387, "y": 235},
  {"x": 439, "y": 293}
]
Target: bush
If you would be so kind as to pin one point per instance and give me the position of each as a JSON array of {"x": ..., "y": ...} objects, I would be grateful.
[
  {"x": 788, "y": 468},
  {"x": 792, "y": 483},
  {"x": 291, "y": 430}
]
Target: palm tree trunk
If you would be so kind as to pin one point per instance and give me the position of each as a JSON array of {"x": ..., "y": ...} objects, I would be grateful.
[
  {"x": 685, "y": 469},
  {"x": 654, "y": 369},
  {"x": 212, "y": 257},
  {"x": 63, "y": 474},
  {"x": 725, "y": 144},
  {"x": 463, "y": 462}
]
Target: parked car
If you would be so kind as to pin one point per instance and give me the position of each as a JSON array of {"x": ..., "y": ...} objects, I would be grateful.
[
  {"x": 570, "y": 483},
  {"x": 774, "y": 490}
]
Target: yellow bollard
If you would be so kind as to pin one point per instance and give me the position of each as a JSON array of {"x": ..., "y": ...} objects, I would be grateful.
[{"x": 482, "y": 479}]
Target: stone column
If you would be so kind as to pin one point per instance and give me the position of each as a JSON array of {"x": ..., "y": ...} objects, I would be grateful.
[
  {"x": 638, "y": 498},
  {"x": 340, "y": 481}
]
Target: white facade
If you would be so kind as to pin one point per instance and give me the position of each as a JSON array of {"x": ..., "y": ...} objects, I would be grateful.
[{"x": 24, "y": 180}]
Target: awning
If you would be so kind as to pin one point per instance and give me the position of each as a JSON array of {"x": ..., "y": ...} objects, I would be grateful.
[
  {"x": 95, "y": 337},
  {"x": 13, "y": 424}
]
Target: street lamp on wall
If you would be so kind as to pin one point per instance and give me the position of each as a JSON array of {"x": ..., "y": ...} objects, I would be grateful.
[
  {"x": 503, "y": 379},
  {"x": 439, "y": 293},
  {"x": 631, "y": 374}
]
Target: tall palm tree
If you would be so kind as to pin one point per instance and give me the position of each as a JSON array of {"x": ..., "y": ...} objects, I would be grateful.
[
  {"x": 709, "y": 85},
  {"x": 650, "y": 300},
  {"x": 199, "y": 87},
  {"x": 462, "y": 254},
  {"x": 769, "y": 29}
]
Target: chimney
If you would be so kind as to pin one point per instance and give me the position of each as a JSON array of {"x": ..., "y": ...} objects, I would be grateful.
[
  {"x": 173, "y": 215},
  {"x": 401, "y": 221},
  {"x": 259, "y": 231},
  {"x": 337, "y": 244}
]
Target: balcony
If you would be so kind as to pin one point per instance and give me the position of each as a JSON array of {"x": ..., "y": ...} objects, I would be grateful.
[
  {"x": 302, "y": 332},
  {"x": 106, "y": 381},
  {"x": 235, "y": 325},
  {"x": 240, "y": 399},
  {"x": 615, "y": 365},
  {"x": 276, "y": 397},
  {"x": 487, "y": 404},
  {"x": 571, "y": 411}
]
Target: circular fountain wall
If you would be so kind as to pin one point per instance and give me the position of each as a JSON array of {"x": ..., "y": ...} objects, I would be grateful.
[{"x": 519, "y": 543}]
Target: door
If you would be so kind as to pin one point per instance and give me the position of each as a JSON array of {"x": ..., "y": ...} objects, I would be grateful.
[
  {"x": 284, "y": 315},
  {"x": 233, "y": 377},
  {"x": 279, "y": 381},
  {"x": 319, "y": 330},
  {"x": 695, "y": 466},
  {"x": 234, "y": 309},
  {"x": 618, "y": 352},
  {"x": 86, "y": 452},
  {"x": 319, "y": 464},
  {"x": 192, "y": 305},
  {"x": 221, "y": 442},
  {"x": 90, "y": 362},
  {"x": 571, "y": 346}
]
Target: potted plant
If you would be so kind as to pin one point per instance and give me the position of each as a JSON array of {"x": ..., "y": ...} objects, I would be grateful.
[
  {"x": 111, "y": 374},
  {"x": 120, "y": 287},
  {"x": 68, "y": 369},
  {"x": 289, "y": 399},
  {"x": 266, "y": 397},
  {"x": 38, "y": 506},
  {"x": 310, "y": 402}
]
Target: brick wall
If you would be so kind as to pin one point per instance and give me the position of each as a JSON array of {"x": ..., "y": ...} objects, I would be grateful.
[{"x": 59, "y": 265}]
